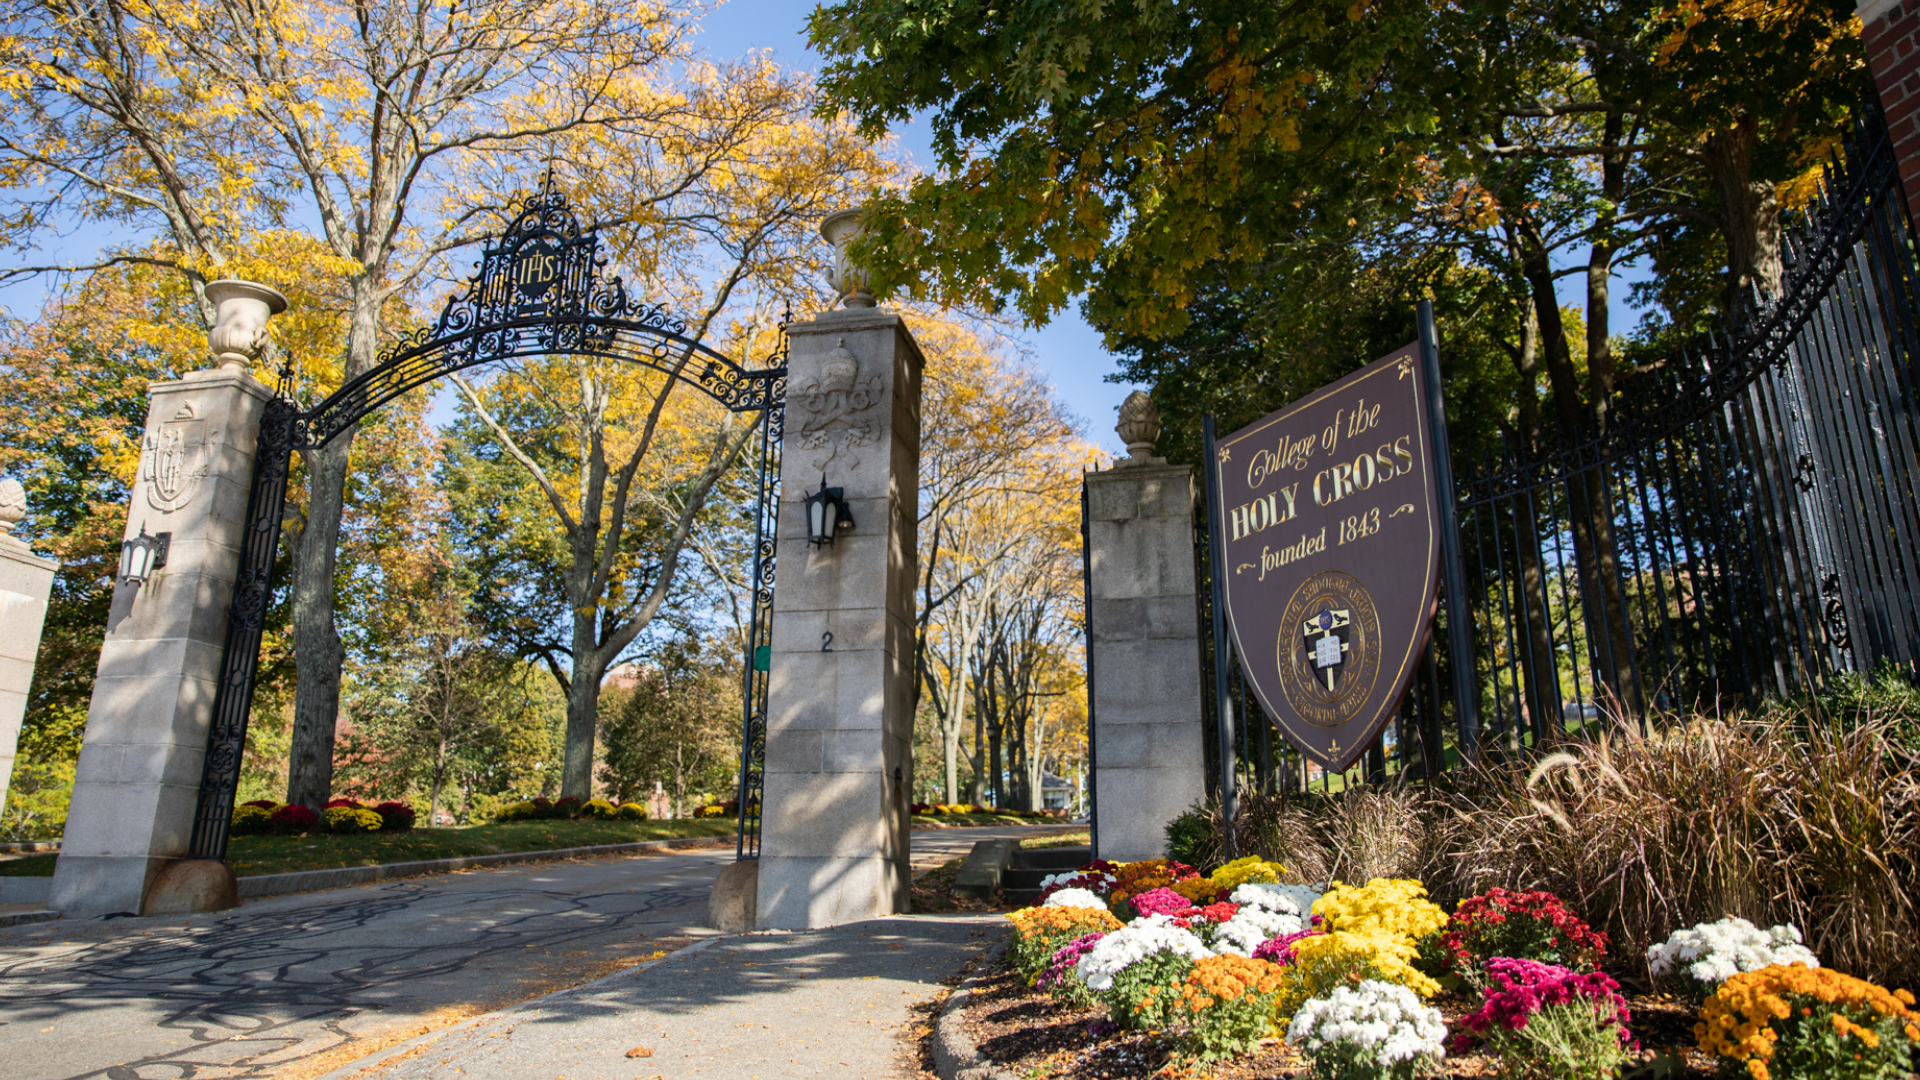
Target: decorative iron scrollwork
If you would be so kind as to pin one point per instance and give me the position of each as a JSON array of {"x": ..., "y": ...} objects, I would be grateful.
[{"x": 1834, "y": 612}]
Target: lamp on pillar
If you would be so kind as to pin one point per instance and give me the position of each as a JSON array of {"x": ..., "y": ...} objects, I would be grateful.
[
  {"x": 142, "y": 555},
  {"x": 827, "y": 514}
]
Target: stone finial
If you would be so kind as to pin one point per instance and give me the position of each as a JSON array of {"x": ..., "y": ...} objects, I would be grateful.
[
  {"x": 849, "y": 281},
  {"x": 241, "y": 311},
  {"x": 1139, "y": 427},
  {"x": 13, "y": 507}
]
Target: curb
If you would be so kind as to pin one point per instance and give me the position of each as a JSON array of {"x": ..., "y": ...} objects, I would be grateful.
[
  {"x": 22, "y": 918},
  {"x": 252, "y": 888},
  {"x": 955, "y": 1056}
]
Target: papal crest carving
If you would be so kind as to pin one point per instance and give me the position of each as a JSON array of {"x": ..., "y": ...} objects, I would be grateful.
[
  {"x": 836, "y": 404},
  {"x": 176, "y": 459}
]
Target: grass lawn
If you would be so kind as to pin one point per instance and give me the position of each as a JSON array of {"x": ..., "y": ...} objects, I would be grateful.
[
  {"x": 1072, "y": 839},
  {"x": 250, "y": 855}
]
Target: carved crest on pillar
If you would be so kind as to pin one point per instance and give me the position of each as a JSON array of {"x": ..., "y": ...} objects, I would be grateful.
[
  {"x": 176, "y": 459},
  {"x": 839, "y": 405}
]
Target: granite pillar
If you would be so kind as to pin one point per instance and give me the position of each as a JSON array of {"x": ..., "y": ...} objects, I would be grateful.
[
  {"x": 1149, "y": 754},
  {"x": 26, "y": 581},
  {"x": 839, "y": 757},
  {"x": 137, "y": 783}
]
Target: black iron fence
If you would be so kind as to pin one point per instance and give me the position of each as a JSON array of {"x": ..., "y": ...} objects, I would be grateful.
[{"x": 1747, "y": 524}]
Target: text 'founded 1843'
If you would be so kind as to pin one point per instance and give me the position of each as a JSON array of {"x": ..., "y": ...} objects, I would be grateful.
[{"x": 1331, "y": 550}]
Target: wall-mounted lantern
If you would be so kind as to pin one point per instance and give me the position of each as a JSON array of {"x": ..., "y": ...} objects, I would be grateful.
[
  {"x": 142, "y": 555},
  {"x": 827, "y": 514}
]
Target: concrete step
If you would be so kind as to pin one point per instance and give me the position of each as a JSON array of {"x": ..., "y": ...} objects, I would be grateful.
[{"x": 1052, "y": 860}]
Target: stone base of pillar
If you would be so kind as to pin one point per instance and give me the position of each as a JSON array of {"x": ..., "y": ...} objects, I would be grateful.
[
  {"x": 190, "y": 886},
  {"x": 26, "y": 580}
]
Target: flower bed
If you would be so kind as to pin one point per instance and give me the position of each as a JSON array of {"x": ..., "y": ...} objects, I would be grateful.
[{"x": 1153, "y": 968}]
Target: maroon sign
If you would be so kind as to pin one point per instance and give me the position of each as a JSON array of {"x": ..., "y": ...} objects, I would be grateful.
[{"x": 1331, "y": 554}]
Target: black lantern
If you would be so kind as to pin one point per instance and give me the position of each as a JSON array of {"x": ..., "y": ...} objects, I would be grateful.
[
  {"x": 827, "y": 514},
  {"x": 142, "y": 555}
]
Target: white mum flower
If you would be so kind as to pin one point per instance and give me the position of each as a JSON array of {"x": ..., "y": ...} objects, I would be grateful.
[
  {"x": 1386, "y": 1020},
  {"x": 1714, "y": 952},
  {"x": 1133, "y": 943},
  {"x": 1251, "y": 926},
  {"x": 1289, "y": 899},
  {"x": 1076, "y": 898}
]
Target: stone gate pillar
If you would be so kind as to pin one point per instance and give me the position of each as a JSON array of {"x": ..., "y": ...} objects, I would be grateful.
[
  {"x": 138, "y": 779},
  {"x": 1143, "y": 644},
  {"x": 839, "y": 757},
  {"x": 26, "y": 581}
]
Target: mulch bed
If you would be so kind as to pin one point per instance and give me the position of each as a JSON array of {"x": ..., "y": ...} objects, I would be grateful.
[{"x": 1026, "y": 1033}]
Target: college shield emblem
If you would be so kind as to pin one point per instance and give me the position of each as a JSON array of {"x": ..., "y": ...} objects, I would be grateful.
[
  {"x": 1331, "y": 554},
  {"x": 176, "y": 458}
]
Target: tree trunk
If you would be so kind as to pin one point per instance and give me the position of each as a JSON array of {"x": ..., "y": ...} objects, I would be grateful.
[
  {"x": 583, "y": 712},
  {"x": 1589, "y": 504},
  {"x": 1749, "y": 219},
  {"x": 439, "y": 781},
  {"x": 317, "y": 652}
]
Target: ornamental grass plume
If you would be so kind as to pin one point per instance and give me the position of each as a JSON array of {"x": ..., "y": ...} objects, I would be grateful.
[
  {"x": 1039, "y": 932},
  {"x": 1224, "y": 1006},
  {"x": 1795, "y": 816},
  {"x": 1792, "y": 1022}
]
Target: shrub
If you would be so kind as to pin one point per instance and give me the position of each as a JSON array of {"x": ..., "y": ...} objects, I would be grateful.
[
  {"x": 1544, "y": 1022},
  {"x": 1038, "y": 933},
  {"x": 1193, "y": 837},
  {"x": 566, "y": 807},
  {"x": 1225, "y": 1005},
  {"x": 1792, "y": 1022},
  {"x": 293, "y": 818},
  {"x": 1523, "y": 925},
  {"x": 632, "y": 811},
  {"x": 519, "y": 811},
  {"x": 599, "y": 809},
  {"x": 1135, "y": 878},
  {"x": 264, "y": 804},
  {"x": 350, "y": 819},
  {"x": 250, "y": 820},
  {"x": 1370, "y": 1031},
  {"x": 343, "y": 803},
  {"x": 1085, "y": 898},
  {"x": 1696, "y": 961},
  {"x": 395, "y": 816}
]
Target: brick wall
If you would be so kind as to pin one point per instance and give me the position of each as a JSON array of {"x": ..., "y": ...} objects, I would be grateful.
[{"x": 1892, "y": 36}]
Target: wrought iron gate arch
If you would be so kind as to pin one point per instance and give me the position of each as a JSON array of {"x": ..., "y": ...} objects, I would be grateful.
[{"x": 537, "y": 292}]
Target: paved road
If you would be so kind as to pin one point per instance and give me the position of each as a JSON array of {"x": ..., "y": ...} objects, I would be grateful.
[{"x": 294, "y": 986}]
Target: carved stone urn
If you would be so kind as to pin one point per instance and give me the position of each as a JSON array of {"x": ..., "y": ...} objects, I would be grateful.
[
  {"x": 242, "y": 309},
  {"x": 13, "y": 507},
  {"x": 1139, "y": 428},
  {"x": 849, "y": 281}
]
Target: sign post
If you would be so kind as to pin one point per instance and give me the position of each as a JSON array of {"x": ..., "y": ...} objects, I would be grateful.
[{"x": 1325, "y": 518}]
